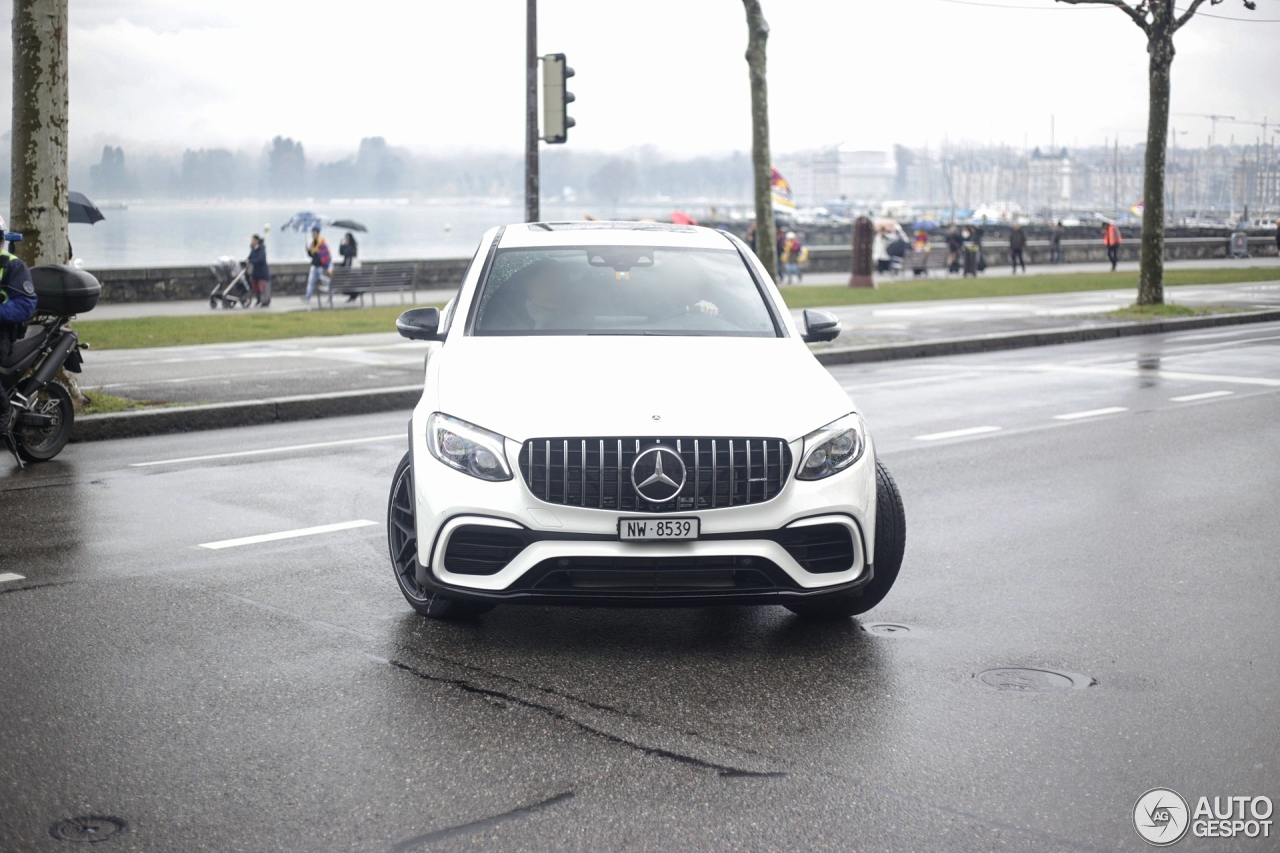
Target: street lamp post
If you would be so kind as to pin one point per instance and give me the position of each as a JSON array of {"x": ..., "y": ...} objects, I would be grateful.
[{"x": 531, "y": 213}]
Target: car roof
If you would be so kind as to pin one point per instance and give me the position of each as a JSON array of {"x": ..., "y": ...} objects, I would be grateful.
[{"x": 605, "y": 233}]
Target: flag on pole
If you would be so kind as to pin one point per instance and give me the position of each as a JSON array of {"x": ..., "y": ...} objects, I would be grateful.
[{"x": 781, "y": 192}]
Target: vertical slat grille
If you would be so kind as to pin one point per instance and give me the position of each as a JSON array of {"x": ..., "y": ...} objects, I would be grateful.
[{"x": 596, "y": 472}]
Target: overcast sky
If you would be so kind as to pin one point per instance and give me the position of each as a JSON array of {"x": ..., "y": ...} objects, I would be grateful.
[{"x": 429, "y": 74}]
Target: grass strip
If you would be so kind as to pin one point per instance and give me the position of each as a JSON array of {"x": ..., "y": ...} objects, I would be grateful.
[
  {"x": 1161, "y": 312},
  {"x": 923, "y": 290},
  {"x": 142, "y": 332},
  {"x": 102, "y": 404}
]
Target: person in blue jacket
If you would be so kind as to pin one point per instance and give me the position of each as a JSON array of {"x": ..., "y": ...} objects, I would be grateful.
[
  {"x": 17, "y": 297},
  {"x": 17, "y": 306}
]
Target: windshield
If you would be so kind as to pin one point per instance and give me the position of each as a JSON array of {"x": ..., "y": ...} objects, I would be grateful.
[{"x": 621, "y": 290}]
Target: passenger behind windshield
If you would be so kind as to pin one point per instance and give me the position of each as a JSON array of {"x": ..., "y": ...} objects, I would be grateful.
[{"x": 620, "y": 291}]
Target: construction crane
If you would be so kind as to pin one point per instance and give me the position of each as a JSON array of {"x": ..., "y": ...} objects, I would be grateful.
[
  {"x": 1264, "y": 124},
  {"x": 1214, "y": 119}
]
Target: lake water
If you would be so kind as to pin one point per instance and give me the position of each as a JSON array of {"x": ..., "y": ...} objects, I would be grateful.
[{"x": 173, "y": 234}]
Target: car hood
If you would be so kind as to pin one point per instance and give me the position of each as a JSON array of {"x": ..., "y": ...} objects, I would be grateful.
[{"x": 529, "y": 387}]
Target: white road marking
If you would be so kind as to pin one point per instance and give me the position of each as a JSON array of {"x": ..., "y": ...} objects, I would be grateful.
[
  {"x": 1166, "y": 374},
  {"x": 891, "y": 383},
  {"x": 287, "y": 534},
  {"x": 1205, "y": 396},
  {"x": 5, "y": 577},
  {"x": 1204, "y": 336},
  {"x": 1090, "y": 413},
  {"x": 957, "y": 433},
  {"x": 288, "y": 449}
]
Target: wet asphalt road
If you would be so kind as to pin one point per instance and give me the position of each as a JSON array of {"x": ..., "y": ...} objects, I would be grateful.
[{"x": 281, "y": 696}]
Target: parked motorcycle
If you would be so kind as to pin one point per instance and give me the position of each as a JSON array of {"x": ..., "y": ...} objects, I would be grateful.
[{"x": 38, "y": 424}]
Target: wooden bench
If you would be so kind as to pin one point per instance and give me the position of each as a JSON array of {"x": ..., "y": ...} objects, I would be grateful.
[
  {"x": 374, "y": 278},
  {"x": 917, "y": 263}
]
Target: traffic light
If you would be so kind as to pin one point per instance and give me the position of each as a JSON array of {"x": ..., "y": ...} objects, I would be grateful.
[{"x": 555, "y": 98}]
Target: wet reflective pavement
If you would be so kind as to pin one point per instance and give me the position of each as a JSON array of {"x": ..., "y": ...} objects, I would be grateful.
[{"x": 1086, "y": 611}]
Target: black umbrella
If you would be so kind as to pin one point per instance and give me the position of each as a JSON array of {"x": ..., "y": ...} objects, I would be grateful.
[
  {"x": 81, "y": 210},
  {"x": 348, "y": 224}
]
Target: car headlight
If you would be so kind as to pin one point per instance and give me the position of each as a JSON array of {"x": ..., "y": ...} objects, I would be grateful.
[
  {"x": 467, "y": 447},
  {"x": 833, "y": 448}
]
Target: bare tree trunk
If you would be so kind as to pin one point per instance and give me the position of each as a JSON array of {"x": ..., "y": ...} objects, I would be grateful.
[
  {"x": 1160, "y": 53},
  {"x": 38, "y": 192},
  {"x": 38, "y": 182},
  {"x": 761, "y": 160}
]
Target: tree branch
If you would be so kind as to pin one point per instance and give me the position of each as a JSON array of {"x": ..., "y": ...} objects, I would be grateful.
[
  {"x": 1186, "y": 16},
  {"x": 1138, "y": 17},
  {"x": 1196, "y": 4}
]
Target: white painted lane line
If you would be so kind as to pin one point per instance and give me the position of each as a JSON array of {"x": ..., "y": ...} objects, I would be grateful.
[
  {"x": 1187, "y": 398},
  {"x": 893, "y": 383},
  {"x": 1165, "y": 374},
  {"x": 5, "y": 577},
  {"x": 287, "y": 534},
  {"x": 1091, "y": 413},
  {"x": 266, "y": 450},
  {"x": 957, "y": 433}
]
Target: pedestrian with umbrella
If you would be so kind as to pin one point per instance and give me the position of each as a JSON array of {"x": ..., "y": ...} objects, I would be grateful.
[
  {"x": 321, "y": 261},
  {"x": 349, "y": 249}
]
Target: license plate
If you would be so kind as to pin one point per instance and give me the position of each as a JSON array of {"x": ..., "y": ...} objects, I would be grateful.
[{"x": 657, "y": 529}]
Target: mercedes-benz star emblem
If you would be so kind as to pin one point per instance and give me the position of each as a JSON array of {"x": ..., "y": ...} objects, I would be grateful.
[{"x": 658, "y": 475}]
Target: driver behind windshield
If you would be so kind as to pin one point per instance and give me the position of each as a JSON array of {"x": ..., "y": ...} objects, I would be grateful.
[
  {"x": 681, "y": 285},
  {"x": 610, "y": 291}
]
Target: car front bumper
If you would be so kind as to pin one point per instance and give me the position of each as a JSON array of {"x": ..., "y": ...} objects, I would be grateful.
[{"x": 565, "y": 554}]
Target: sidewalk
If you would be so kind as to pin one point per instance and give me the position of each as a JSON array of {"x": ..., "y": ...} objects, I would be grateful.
[{"x": 262, "y": 381}]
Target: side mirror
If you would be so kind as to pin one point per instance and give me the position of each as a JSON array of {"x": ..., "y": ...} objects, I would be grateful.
[
  {"x": 820, "y": 326},
  {"x": 420, "y": 324}
]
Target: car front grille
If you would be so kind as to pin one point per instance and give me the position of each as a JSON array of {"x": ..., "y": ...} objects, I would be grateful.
[{"x": 596, "y": 472}]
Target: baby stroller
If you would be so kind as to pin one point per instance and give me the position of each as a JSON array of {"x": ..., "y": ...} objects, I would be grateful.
[{"x": 233, "y": 283}]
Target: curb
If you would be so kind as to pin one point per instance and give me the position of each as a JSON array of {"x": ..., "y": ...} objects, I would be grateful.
[
  {"x": 243, "y": 413},
  {"x": 1046, "y": 337},
  {"x": 312, "y": 406}
]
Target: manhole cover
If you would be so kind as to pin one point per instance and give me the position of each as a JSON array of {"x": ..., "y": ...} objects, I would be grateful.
[
  {"x": 886, "y": 629},
  {"x": 1019, "y": 680},
  {"x": 88, "y": 828}
]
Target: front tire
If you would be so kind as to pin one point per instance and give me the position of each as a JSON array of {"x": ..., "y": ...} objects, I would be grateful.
[
  {"x": 402, "y": 540},
  {"x": 891, "y": 542},
  {"x": 40, "y": 444}
]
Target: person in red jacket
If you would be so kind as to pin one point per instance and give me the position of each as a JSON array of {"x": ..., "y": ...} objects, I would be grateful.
[
  {"x": 1112, "y": 240},
  {"x": 321, "y": 260}
]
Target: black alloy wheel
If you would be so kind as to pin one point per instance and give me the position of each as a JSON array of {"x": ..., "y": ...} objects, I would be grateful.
[
  {"x": 402, "y": 540},
  {"x": 890, "y": 544},
  {"x": 42, "y": 443}
]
